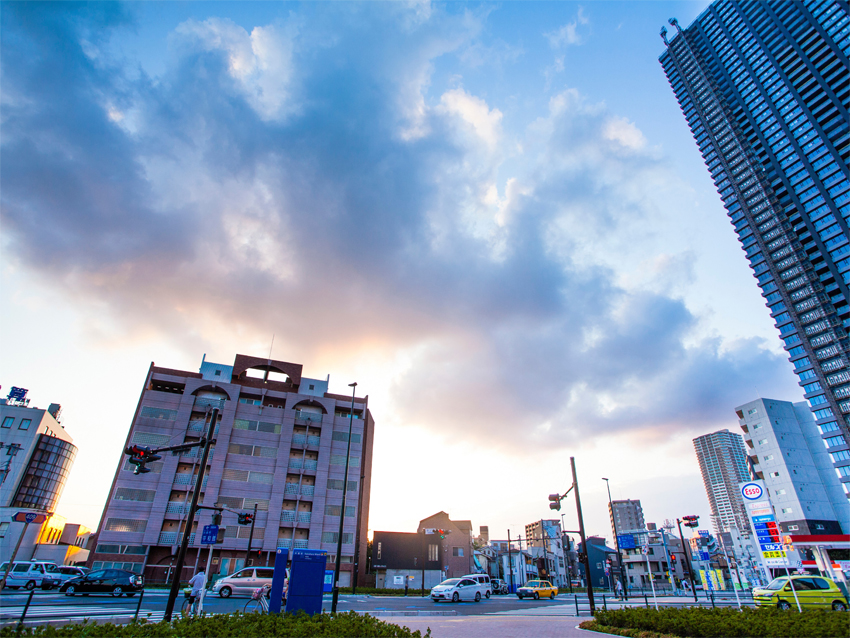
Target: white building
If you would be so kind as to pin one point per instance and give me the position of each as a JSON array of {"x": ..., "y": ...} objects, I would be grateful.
[
  {"x": 723, "y": 464},
  {"x": 789, "y": 454}
]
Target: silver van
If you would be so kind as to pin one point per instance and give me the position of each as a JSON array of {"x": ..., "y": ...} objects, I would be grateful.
[
  {"x": 28, "y": 574},
  {"x": 243, "y": 582},
  {"x": 484, "y": 581}
]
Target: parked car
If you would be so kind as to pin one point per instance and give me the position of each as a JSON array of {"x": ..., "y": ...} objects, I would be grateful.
[
  {"x": 455, "y": 589},
  {"x": 116, "y": 582},
  {"x": 28, "y": 574},
  {"x": 243, "y": 582},
  {"x": 499, "y": 586},
  {"x": 481, "y": 579},
  {"x": 813, "y": 592},
  {"x": 62, "y": 573},
  {"x": 536, "y": 589}
]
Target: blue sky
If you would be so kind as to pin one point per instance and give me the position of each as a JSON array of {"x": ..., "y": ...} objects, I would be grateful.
[{"x": 491, "y": 216}]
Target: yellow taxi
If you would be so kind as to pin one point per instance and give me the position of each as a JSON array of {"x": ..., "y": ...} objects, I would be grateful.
[
  {"x": 813, "y": 592},
  {"x": 537, "y": 588}
]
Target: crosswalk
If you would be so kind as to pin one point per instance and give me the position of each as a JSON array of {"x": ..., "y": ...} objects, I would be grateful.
[{"x": 101, "y": 612}]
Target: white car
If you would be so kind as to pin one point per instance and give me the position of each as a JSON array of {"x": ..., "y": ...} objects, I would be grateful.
[
  {"x": 456, "y": 589},
  {"x": 243, "y": 582},
  {"x": 28, "y": 574}
]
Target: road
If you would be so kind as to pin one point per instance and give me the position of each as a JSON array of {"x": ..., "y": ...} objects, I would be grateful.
[{"x": 52, "y": 606}]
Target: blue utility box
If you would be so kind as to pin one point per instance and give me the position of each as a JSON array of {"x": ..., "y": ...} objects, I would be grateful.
[{"x": 306, "y": 581}]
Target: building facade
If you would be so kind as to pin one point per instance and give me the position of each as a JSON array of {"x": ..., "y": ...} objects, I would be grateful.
[
  {"x": 763, "y": 85},
  {"x": 627, "y": 514},
  {"x": 452, "y": 554},
  {"x": 281, "y": 443},
  {"x": 786, "y": 452},
  {"x": 38, "y": 457},
  {"x": 723, "y": 465},
  {"x": 544, "y": 541}
]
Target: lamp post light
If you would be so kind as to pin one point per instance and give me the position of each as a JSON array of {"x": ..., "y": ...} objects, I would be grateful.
[
  {"x": 335, "y": 598},
  {"x": 617, "y": 539}
]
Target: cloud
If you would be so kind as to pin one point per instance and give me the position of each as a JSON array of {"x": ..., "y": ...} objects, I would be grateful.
[
  {"x": 328, "y": 194},
  {"x": 570, "y": 34}
]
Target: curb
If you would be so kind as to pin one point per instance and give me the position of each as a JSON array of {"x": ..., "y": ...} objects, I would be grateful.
[{"x": 407, "y": 613}]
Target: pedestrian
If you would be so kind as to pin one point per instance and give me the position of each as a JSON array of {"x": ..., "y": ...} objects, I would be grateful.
[
  {"x": 619, "y": 590},
  {"x": 198, "y": 583},
  {"x": 285, "y": 590}
]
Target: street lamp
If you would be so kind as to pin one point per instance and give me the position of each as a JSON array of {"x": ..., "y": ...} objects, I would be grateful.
[
  {"x": 617, "y": 539},
  {"x": 335, "y": 599}
]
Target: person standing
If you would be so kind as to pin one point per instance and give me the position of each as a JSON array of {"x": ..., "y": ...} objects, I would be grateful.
[{"x": 619, "y": 590}]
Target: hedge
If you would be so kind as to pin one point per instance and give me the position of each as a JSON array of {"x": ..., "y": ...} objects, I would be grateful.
[
  {"x": 343, "y": 625},
  {"x": 703, "y": 622}
]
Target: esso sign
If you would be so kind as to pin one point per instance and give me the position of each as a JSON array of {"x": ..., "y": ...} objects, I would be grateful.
[{"x": 752, "y": 491}]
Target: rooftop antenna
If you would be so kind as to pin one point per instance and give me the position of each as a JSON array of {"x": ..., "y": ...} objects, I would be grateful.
[{"x": 270, "y": 349}]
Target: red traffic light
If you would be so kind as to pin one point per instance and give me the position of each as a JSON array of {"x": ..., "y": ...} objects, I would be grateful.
[
  {"x": 554, "y": 501},
  {"x": 246, "y": 519}
]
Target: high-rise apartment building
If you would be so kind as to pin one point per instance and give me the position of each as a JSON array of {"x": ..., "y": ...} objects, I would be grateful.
[
  {"x": 281, "y": 443},
  {"x": 723, "y": 465},
  {"x": 37, "y": 458},
  {"x": 763, "y": 85},
  {"x": 627, "y": 514},
  {"x": 787, "y": 454}
]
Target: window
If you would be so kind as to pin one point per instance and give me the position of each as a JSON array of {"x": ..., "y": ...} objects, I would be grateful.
[
  {"x": 834, "y": 441},
  {"x": 218, "y": 373},
  {"x": 753, "y": 411},
  {"x": 8, "y": 421},
  {"x": 762, "y": 441},
  {"x": 787, "y": 510},
  {"x": 780, "y": 492},
  {"x": 774, "y": 475},
  {"x": 457, "y": 551},
  {"x": 769, "y": 457},
  {"x": 25, "y": 424},
  {"x": 4, "y": 527},
  {"x": 433, "y": 553}
]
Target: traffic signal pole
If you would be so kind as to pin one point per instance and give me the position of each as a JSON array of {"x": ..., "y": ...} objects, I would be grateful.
[
  {"x": 335, "y": 597},
  {"x": 190, "y": 519},
  {"x": 687, "y": 553},
  {"x": 251, "y": 535},
  {"x": 583, "y": 539}
]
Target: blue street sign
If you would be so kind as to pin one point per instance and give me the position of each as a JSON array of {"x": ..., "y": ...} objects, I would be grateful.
[
  {"x": 209, "y": 535},
  {"x": 704, "y": 556},
  {"x": 626, "y": 541}
]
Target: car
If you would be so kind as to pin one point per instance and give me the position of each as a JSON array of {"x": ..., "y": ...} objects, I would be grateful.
[
  {"x": 243, "y": 582},
  {"x": 115, "y": 582},
  {"x": 481, "y": 579},
  {"x": 813, "y": 592},
  {"x": 499, "y": 586},
  {"x": 537, "y": 589},
  {"x": 62, "y": 573},
  {"x": 28, "y": 574},
  {"x": 456, "y": 589}
]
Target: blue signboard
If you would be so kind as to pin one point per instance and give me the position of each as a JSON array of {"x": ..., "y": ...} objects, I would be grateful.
[
  {"x": 626, "y": 541},
  {"x": 329, "y": 581},
  {"x": 763, "y": 519},
  {"x": 306, "y": 581},
  {"x": 209, "y": 535},
  {"x": 704, "y": 556}
]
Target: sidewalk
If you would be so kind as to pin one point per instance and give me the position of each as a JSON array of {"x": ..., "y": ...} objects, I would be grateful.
[{"x": 501, "y": 626}]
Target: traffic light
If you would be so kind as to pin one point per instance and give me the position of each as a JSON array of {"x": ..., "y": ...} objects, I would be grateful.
[
  {"x": 139, "y": 455},
  {"x": 246, "y": 519},
  {"x": 582, "y": 557},
  {"x": 554, "y": 501},
  {"x": 673, "y": 559},
  {"x": 216, "y": 519},
  {"x": 219, "y": 539},
  {"x": 691, "y": 521},
  {"x": 443, "y": 532}
]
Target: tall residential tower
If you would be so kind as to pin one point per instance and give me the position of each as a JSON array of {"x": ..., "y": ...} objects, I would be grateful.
[
  {"x": 723, "y": 464},
  {"x": 763, "y": 85}
]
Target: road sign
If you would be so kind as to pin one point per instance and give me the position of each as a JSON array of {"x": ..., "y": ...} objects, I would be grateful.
[
  {"x": 703, "y": 533},
  {"x": 704, "y": 556},
  {"x": 626, "y": 541},
  {"x": 29, "y": 517},
  {"x": 209, "y": 535}
]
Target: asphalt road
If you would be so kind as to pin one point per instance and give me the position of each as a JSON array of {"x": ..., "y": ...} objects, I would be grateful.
[{"x": 52, "y": 606}]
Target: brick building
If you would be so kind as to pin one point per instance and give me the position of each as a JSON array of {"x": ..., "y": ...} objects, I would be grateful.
[{"x": 280, "y": 445}]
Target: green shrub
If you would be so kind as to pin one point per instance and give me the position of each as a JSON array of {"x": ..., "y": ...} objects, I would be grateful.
[
  {"x": 701, "y": 622},
  {"x": 348, "y": 625}
]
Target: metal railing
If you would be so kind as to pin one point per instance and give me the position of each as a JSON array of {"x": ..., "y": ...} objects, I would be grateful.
[
  {"x": 177, "y": 507},
  {"x": 18, "y": 609},
  {"x": 288, "y": 516},
  {"x": 304, "y": 517},
  {"x": 189, "y": 479},
  {"x": 308, "y": 417}
]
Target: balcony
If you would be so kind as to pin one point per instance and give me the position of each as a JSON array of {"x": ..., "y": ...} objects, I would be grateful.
[
  {"x": 288, "y": 516},
  {"x": 175, "y": 507},
  {"x": 299, "y": 439},
  {"x": 206, "y": 402},
  {"x": 308, "y": 418},
  {"x": 313, "y": 441},
  {"x": 311, "y": 464},
  {"x": 300, "y": 543},
  {"x": 188, "y": 479},
  {"x": 196, "y": 453},
  {"x": 296, "y": 464},
  {"x": 173, "y": 538},
  {"x": 291, "y": 489},
  {"x": 307, "y": 490},
  {"x": 284, "y": 543},
  {"x": 304, "y": 517}
]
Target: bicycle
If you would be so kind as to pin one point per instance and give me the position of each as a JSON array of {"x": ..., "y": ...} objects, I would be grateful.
[
  {"x": 190, "y": 605},
  {"x": 259, "y": 603}
]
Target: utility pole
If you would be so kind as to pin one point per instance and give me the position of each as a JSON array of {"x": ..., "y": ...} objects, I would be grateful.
[
  {"x": 687, "y": 553},
  {"x": 335, "y": 598},
  {"x": 510, "y": 561},
  {"x": 190, "y": 519},
  {"x": 617, "y": 540},
  {"x": 251, "y": 535}
]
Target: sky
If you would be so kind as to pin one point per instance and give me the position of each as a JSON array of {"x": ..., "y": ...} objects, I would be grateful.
[{"x": 491, "y": 216}]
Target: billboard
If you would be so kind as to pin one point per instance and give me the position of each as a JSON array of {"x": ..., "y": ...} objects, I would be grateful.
[{"x": 763, "y": 522}]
